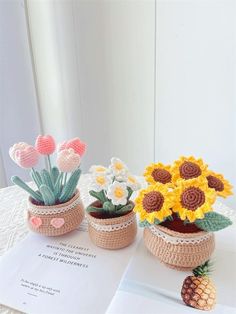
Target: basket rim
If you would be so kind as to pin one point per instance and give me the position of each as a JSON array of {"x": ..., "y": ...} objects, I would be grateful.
[
  {"x": 180, "y": 234},
  {"x": 113, "y": 220}
]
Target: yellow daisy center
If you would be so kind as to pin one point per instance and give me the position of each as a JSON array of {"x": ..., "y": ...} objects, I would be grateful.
[
  {"x": 131, "y": 179},
  {"x": 192, "y": 198},
  {"x": 100, "y": 169},
  {"x": 100, "y": 180},
  {"x": 119, "y": 192},
  {"x": 119, "y": 166}
]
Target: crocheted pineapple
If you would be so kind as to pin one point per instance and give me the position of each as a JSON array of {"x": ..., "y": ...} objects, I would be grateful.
[{"x": 198, "y": 291}]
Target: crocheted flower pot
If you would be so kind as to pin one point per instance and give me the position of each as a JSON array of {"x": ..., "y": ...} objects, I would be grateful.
[
  {"x": 181, "y": 251},
  {"x": 56, "y": 219},
  {"x": 112, "y": 233}
]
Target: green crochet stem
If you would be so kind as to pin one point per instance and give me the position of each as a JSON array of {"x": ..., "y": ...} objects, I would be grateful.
[
  {"x": 34, "y": 194},
  {"x": 49, "y": 163},
  {"x": 70, "y": 186}
]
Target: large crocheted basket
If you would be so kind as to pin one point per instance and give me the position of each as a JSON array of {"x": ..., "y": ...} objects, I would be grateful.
[
  {"x": 56, "y": 219},
  {"x": 181, "y": 251},
  {"x": 112, "y": 233}
]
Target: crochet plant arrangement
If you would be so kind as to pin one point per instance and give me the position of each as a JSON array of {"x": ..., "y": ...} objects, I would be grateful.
[
  {"x": 177, "y": 209},
  {"x": 56, "y": 186},
  {"x": 112, "y": 188}
]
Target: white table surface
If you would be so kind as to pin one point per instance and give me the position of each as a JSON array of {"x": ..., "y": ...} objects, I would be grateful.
[{"x": 13, "y": 205}]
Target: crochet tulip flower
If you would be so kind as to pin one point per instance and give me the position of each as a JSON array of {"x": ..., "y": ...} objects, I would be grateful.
[
  {"x": 24, "y": 155},
  {"x": 45, "y": 145},
  {"x": 68, "y": 160},
  {"x": 76, "y": 144},
  {"x": 52, "y": 185}
]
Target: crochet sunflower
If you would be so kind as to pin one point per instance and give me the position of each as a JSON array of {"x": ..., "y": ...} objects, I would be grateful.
[
  {"x": 158, "y": 173},
  {"x": 154, "y": 203},
  {"x": 193, "y": 198},
  {"x": 186, "y": 168},
  {"x": 217, "y": 182}
]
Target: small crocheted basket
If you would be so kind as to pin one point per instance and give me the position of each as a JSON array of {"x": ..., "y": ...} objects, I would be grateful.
[
  {"x": 58, "y": 219},
  {"x": 112, "y": 233},
  {"x": 181, "y": 251}
]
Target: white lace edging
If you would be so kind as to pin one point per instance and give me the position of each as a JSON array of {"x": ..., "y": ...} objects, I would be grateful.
[
  {"x": 53, "y": 210},
  {"x": 177, "y": 240},
  {"x": 110, "y": 228}
]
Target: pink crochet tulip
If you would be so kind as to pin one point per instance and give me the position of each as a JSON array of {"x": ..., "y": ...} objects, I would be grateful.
[
  {"x": 78, "y": 146},
  {"x": 26, "y": 157},
  {"x": 68, "y": 160},
  {"x": 15, "y": 148},
  {"x": 45, "y": 145},
  {"x": 61, "y": 146}
]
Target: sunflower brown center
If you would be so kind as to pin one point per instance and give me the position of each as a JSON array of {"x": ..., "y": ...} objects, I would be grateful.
[
  {"x": 215, "y": 183},
  {"x": 153, "y": 201},
  {"x": 161, "y": 175},
  {"x": 192, "y": 198},
  {"x": 189, "y": 170}
]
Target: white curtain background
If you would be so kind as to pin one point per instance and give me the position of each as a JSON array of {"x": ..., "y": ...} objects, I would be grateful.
[{"x": 142, "y": 80}]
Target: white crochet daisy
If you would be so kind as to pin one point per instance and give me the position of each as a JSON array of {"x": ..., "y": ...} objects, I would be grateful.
[
  {"x": 118, "y": 169},
  {"x": 98, "y": 169},
  {"x": 133, "y": 183},
  {"x": 117, "y": 192},
  {"x": 100, "y": 182}
]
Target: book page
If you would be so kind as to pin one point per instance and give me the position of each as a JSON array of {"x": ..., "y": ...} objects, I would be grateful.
[{"x": 67, "y": 274}]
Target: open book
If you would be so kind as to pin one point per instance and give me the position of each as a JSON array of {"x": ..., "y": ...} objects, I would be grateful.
[
  {"x": 70, "y": 275},
  {"x": 67, "y": 274}
]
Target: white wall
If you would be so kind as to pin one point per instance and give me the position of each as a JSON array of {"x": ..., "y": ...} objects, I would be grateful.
[
  {"x": 94, "y": 63},
  {"x": 95, "y": 66},
  {"x": 196, "y": 104},
  {"x": 19, "y": 119}
]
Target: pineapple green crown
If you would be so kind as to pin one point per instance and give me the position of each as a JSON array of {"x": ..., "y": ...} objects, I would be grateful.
[{"x": 203, "y": 270}]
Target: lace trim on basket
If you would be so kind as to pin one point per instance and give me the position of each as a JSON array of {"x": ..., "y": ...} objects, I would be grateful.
[
  {"x": 177, "y": 240},
  {"x": 110, "y": 228},
  {"x": 54, "y": 210}
]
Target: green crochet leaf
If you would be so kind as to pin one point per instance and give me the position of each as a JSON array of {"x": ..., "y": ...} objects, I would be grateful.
[
  {"x": 46, "y": 179},
  {"x": 157, "y": 222},
  {"x": 58, "y": 186},
  {"x": 130, "y": 192},
  {"x": 47, "y": 194},
  {"x": 70, "y": 186},
  {"x": 108, "y": 206},
  {"x": 90, "y": 209},
  {"x": 213, "y": 222},
  {"x": 55, "y": 174},
  {"x": 97, "y": 195},
  {"x": 34, "y": 194},
  {"x": 144, "y": 224},
  {"x": 125, "y": 208}
]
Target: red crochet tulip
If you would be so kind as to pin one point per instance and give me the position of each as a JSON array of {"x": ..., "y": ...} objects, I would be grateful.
[{"x": 45, "y": 145}]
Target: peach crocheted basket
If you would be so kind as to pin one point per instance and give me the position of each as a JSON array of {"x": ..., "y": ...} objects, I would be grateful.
[
  {"x": 112, "y": 233},
  {"x": 58, "y": 219},
  {"x": 181, "y": 251}
]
